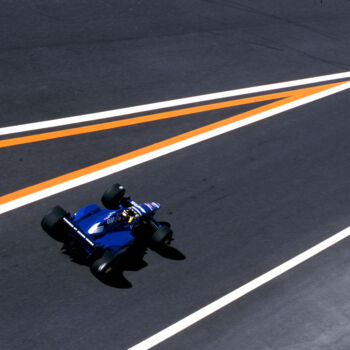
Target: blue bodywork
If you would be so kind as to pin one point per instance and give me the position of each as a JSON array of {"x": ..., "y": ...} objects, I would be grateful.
[{"x": 94, "y": 227}]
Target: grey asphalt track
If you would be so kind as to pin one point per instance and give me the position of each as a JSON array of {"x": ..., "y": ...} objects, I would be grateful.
[{"x": 239, "y": 204}]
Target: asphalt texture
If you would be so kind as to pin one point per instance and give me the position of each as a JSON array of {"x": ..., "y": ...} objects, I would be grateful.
[{"x": 239, "y": 204}]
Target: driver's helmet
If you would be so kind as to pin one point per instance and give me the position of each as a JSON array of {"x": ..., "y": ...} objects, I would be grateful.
[{"x": 127, "y": 216}]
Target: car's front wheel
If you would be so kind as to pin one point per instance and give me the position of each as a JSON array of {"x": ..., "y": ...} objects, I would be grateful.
[
  {"x": 163, "y": 235},
  {"x": 113, "y": 196}
]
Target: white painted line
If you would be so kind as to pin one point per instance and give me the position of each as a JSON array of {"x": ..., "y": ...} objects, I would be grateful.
[
  {"x": 239, "y": 292},
  {"x": 166, "y": 150},
  {"x": 166, "y": 104}
]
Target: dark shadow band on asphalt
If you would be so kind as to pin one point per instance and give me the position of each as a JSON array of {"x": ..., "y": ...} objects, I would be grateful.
[{"x": 116, "y": 277}]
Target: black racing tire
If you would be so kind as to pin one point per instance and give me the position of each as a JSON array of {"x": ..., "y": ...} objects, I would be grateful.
[
  {"x": 162, "y": 236},
  {"x": 113, "y": 196},
  {"x": 105, "y": 265},
  {"x": 52, "y": 223}
]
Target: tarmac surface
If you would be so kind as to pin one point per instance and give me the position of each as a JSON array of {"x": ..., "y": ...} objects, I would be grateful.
[{"x": 239, "y": 204}]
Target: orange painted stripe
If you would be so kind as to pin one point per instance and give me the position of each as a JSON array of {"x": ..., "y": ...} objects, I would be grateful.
[
  {"x": 143, "y": 119},
  {"x": 297, "y": 94}
]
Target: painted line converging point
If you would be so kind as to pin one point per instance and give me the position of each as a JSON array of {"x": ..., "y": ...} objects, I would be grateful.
[
  {"x": 68, "y": 181},
  {"x": 167, "y": 104},
  {"x": 288, "y": 101},
  {"x": 239, "y": 292}
]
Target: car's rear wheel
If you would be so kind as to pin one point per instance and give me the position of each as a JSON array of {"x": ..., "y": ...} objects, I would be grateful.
[
  {"x": 104, "y": 266},
  {"x": 113, "y": 196},
  {"x": 163, "y": 235},
  {"x": 52, "y": 223}
]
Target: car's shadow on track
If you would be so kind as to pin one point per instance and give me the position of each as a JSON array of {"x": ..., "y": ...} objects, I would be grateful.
[
  {"x": 169, "y": 252},
  {"x": 116, "y": 278}
]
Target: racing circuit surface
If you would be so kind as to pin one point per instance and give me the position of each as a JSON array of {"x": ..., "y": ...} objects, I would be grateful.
[{"x": 241, "y": 202}]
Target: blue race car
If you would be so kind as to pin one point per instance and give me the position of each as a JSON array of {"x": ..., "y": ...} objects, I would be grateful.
[{"x": 104, "y": 238}]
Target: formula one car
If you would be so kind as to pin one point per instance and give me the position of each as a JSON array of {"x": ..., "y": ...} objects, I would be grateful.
[{"x": 105, "y": 237}]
